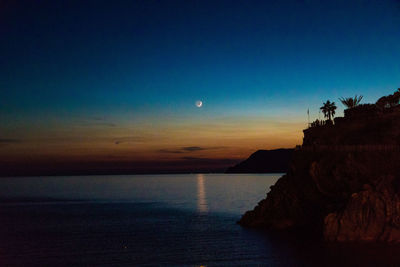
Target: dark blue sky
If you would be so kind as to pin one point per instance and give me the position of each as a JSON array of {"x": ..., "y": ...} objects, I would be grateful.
[{"x": 141, "y": 65}]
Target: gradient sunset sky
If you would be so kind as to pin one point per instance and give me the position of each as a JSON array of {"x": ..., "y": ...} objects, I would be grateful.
[{"x": 116, "y": 81}]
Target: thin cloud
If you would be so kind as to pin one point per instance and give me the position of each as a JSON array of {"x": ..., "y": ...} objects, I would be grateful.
[
  {"x": 193, "y": 148},
  {"x": 170, "y": 151},
  {"x": 194, "y": 158},
  {"x": 102, "y": 122},
  {"x": 187, "y": 149},
  {"x": 129, "y": 139}
]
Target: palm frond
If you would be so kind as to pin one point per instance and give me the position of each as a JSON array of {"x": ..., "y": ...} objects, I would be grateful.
[{"x": 351, "y": 102}]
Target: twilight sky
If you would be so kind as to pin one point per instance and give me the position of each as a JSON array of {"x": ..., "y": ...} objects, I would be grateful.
[{"x": 115, "y": 82}]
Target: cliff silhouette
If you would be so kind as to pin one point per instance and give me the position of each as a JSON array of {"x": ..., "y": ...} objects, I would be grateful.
[
  {"x": 265, "y": 161},
  {"x": 343, "y": 183}
]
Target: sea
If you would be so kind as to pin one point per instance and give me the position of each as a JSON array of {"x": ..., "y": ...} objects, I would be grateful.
[{"x": 156, "y": 220}]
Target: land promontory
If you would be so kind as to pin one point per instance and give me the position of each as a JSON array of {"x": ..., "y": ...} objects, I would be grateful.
[
  {"x": 343, "y": 182},
  {"x": 265, "y": 161}
]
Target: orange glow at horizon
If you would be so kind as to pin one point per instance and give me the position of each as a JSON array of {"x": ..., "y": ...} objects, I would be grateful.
[{"x": 168, "y": 141}]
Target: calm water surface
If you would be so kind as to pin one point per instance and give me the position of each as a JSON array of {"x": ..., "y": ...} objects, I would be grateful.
[{"x": 168, "y": 220}]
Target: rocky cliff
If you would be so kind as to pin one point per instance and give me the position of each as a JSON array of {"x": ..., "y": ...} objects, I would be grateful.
[
  {"x": 265, "y": 161},
  {"x": 343, "y": 183}
]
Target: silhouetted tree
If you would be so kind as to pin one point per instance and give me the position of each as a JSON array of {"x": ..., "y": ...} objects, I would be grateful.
[
  {"x": 351, "y": 102},
  {"x": 329, "y": 109},
  {"x": 394, "y": 99},
  {"x": 389, "y": 101},
  {"x": 316, "y": 123}
]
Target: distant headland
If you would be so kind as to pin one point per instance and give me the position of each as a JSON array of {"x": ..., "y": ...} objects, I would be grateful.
[
  {"x": 344, "y": 181},
  {"x": 265, "y": 161}
]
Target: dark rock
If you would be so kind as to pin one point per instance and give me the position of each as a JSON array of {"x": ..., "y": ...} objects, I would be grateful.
[
  {"x": 343, "y": 184},
  {"x": 369, "y": 215}
]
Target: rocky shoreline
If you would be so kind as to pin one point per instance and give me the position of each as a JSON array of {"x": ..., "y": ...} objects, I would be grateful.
[{"x": 343, "y": 182}]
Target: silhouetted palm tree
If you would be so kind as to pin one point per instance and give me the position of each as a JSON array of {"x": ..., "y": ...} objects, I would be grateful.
[
  {"x": 329, "y": 109},
  {"x": 350, "y": 102}
]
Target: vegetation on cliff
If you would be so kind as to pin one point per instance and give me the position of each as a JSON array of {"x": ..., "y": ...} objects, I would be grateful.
[
  {"x": 344, "y": 181},
  {"x": 351, "y": 102}
]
